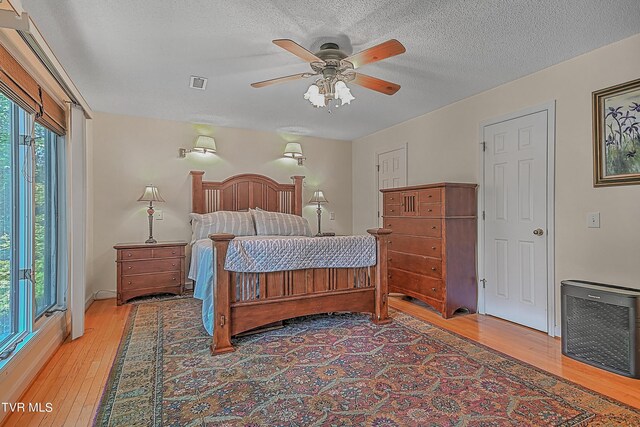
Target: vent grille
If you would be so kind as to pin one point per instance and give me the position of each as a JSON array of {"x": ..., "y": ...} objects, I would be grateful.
[
  {"x": 198, "y": 83},
  {"x": 598, "y": 332}
]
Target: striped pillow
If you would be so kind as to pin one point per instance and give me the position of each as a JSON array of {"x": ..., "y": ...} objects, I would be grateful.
[
  {"x": 279, "y": 224},
  {"x": 238, "y": 223}
]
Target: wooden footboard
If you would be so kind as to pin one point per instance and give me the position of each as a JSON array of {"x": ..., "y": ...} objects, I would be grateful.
[{"x": 245, "y": 301}]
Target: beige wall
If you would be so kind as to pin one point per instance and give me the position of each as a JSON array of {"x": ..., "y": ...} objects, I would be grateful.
[
  {"x": 129, "y": 152},
  {"x": 443, "y": 145}
]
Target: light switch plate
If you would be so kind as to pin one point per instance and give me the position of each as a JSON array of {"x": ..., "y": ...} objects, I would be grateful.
[
  {"x": 159, "y": 215},
  {"x": 593, "y": 220}
]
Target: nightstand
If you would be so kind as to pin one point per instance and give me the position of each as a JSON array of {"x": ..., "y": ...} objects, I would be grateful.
[{"x": 147, "y": 269}]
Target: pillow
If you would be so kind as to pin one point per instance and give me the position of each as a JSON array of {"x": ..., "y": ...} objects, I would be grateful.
[
  {"x": 279, "y": 224},
  {"x": 238, "y": 223}
]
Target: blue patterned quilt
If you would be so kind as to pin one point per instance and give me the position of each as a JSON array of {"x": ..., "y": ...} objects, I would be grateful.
[{"x": 263, "y": 254}]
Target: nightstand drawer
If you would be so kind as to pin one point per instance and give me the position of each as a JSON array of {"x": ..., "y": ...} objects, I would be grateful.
[
  {"x": 143, "y": 281},
  {"x": 142, "y": 253},
  {"x": 150, "y": 266},
  {"x": 167, "y": 252}
]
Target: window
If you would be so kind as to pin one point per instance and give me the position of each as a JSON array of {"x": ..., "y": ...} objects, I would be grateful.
[{"x": 29, "y": 200}]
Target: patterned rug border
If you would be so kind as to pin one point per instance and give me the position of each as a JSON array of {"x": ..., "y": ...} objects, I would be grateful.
[
  {"x": 514, "y": 359},
  {"x": 109, "y": 391}
]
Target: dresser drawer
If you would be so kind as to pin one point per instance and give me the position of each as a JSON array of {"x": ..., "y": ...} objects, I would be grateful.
[
  {"x": 143, "y": 281},
  {"x": 430, "y": 210},
  {"x": 392, "y": 210},
  {"x": 418, "y": 264},
  {"x": 151, "y": 266},
  {"x": 392, "y": 198},
  {"x": 430, "y": 195},
  {"x": 415, "y": 284},
  {"x": 415, "y": 226},
  {"x": 416, "y": 245}
]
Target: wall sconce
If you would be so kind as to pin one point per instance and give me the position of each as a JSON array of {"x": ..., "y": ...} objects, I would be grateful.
[
  {"x": 204, "y": 144},
  {"x": 293, "y": 150}
]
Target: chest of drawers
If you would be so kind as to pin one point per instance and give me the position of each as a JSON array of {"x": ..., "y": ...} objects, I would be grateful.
[
  {"x": 147, "y": 269},
  {"x": 432, "y": 250}
]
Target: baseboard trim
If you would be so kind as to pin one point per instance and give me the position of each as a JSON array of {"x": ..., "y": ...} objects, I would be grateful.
[{"x": 88, "y": 302}]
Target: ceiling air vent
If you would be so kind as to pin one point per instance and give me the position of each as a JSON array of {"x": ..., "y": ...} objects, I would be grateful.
[{"x": 198, "y": 83}]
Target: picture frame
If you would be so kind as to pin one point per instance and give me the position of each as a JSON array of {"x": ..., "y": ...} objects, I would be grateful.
[{"x": 616, "y": 135}]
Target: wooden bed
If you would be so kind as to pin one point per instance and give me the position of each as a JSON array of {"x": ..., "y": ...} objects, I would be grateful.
[{"x": 283, "y": 294}]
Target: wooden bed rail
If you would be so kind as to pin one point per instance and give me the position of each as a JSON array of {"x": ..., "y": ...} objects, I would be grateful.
[{"x": 287, "y": 294}]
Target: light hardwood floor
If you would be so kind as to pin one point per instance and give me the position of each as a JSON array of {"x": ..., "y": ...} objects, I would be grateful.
[{"x": 73, "y": 379}]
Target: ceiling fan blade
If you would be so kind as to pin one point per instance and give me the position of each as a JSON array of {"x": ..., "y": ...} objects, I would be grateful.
[
  {"x": 281, "y": 80},
  {"x": 376, "y": 53},
  {"x": 297, "y": 50},
  {"x": 376, "y": 84}
]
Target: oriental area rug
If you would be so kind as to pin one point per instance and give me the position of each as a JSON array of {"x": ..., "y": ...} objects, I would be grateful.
[{"x": 332, "y": 370}]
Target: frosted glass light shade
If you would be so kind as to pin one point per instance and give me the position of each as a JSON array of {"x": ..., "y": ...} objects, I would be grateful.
[
  {"x": 151, "y": 194},
  {"x": 318, "y": 197},
  {"x": 205, "y": 144},
  {"x": 293, "y": 150}
]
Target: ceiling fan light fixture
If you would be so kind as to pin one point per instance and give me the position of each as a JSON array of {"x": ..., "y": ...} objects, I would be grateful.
[
  {"x": 314, "y": 96},
  {"x": 341, "y": 93}
]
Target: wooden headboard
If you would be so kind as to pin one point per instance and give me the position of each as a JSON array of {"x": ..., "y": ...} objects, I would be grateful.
[{"x": 241, "y": 192}]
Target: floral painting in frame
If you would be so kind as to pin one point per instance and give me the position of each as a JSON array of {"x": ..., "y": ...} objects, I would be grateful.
[{"x": 616, "y": 135}]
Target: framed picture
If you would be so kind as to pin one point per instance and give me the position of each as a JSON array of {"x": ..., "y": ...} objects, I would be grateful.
[{"x": 616, "y": 135}]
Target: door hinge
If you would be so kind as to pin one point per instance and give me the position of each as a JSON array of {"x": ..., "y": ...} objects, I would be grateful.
[
  {"x": 378, "y": 214},
  {"x": 484, "y": 146},
  {"x": 378, "y": 168},
  {"x": 484, "y": 216},
  {"x": 484, "y": 283}
]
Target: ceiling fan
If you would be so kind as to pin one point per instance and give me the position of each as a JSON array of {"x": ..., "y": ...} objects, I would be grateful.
[{"x": 336, "y": 69}]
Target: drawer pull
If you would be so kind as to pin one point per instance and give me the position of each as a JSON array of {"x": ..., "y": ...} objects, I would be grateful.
[
  {"x": 173, "y": 252},
  {"x": 433, "y": 269},
  {"x": 391, "y": 210},
  {"x": 429, "y": 210},
  {"x": 173, "y": 278},
  {"x": 129, "y": 254},
  {"x": 173, "y": 264},
  {"x": 433, "y": 247},
  {"x": 129, "y": 267},
  {"x": 433, "y": 289},
  {"x": 129, "y": 282},
  {"x": 430, "y": 196},
  {"x": 434, "y": 227},
  {"x": 388, "y": 225}
]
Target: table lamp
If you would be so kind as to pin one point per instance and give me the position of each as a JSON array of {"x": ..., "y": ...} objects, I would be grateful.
[
  {"x": 318, "y": 197},
  {"x": 151, "y": 195}
]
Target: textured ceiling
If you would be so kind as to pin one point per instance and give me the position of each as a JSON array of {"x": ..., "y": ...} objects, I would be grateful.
[{"x": 135, "y": 57}]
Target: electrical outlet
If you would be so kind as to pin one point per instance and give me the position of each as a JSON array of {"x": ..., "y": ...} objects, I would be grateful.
[
  {"x": 593, "y": 220},
  {"x": 332, "y": 216},
  {"x": 159, "y": 215}
]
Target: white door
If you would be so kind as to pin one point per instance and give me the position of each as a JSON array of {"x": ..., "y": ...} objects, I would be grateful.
[
  {"x": 515, "y": 226},
  {"x": 392, "y": 173}
]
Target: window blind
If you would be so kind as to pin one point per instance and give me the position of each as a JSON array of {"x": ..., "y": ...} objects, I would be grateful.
[{"x": 18, "y": 85}]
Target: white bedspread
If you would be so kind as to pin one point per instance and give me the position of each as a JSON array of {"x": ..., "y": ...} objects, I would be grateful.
[{"x": 275, "y": 253}]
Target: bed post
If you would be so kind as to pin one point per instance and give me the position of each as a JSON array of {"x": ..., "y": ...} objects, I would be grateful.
[
  {"x": 297, "y": 194},
  {"x": 381, "y": 314},
  {"x": 221, "y": 296},
  {"x": 197, "y": 193}
]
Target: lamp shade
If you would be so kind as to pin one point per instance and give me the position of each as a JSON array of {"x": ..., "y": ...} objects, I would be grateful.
[
  {"x": 151, "y": 194},
  {"x": 205, "y": 144},
  {"x": 318, "y": 197},
  {"x": 293, "y": 150}
]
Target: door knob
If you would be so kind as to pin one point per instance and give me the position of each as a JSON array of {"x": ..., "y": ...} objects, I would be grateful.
[{"x": 538, "y": 231}]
